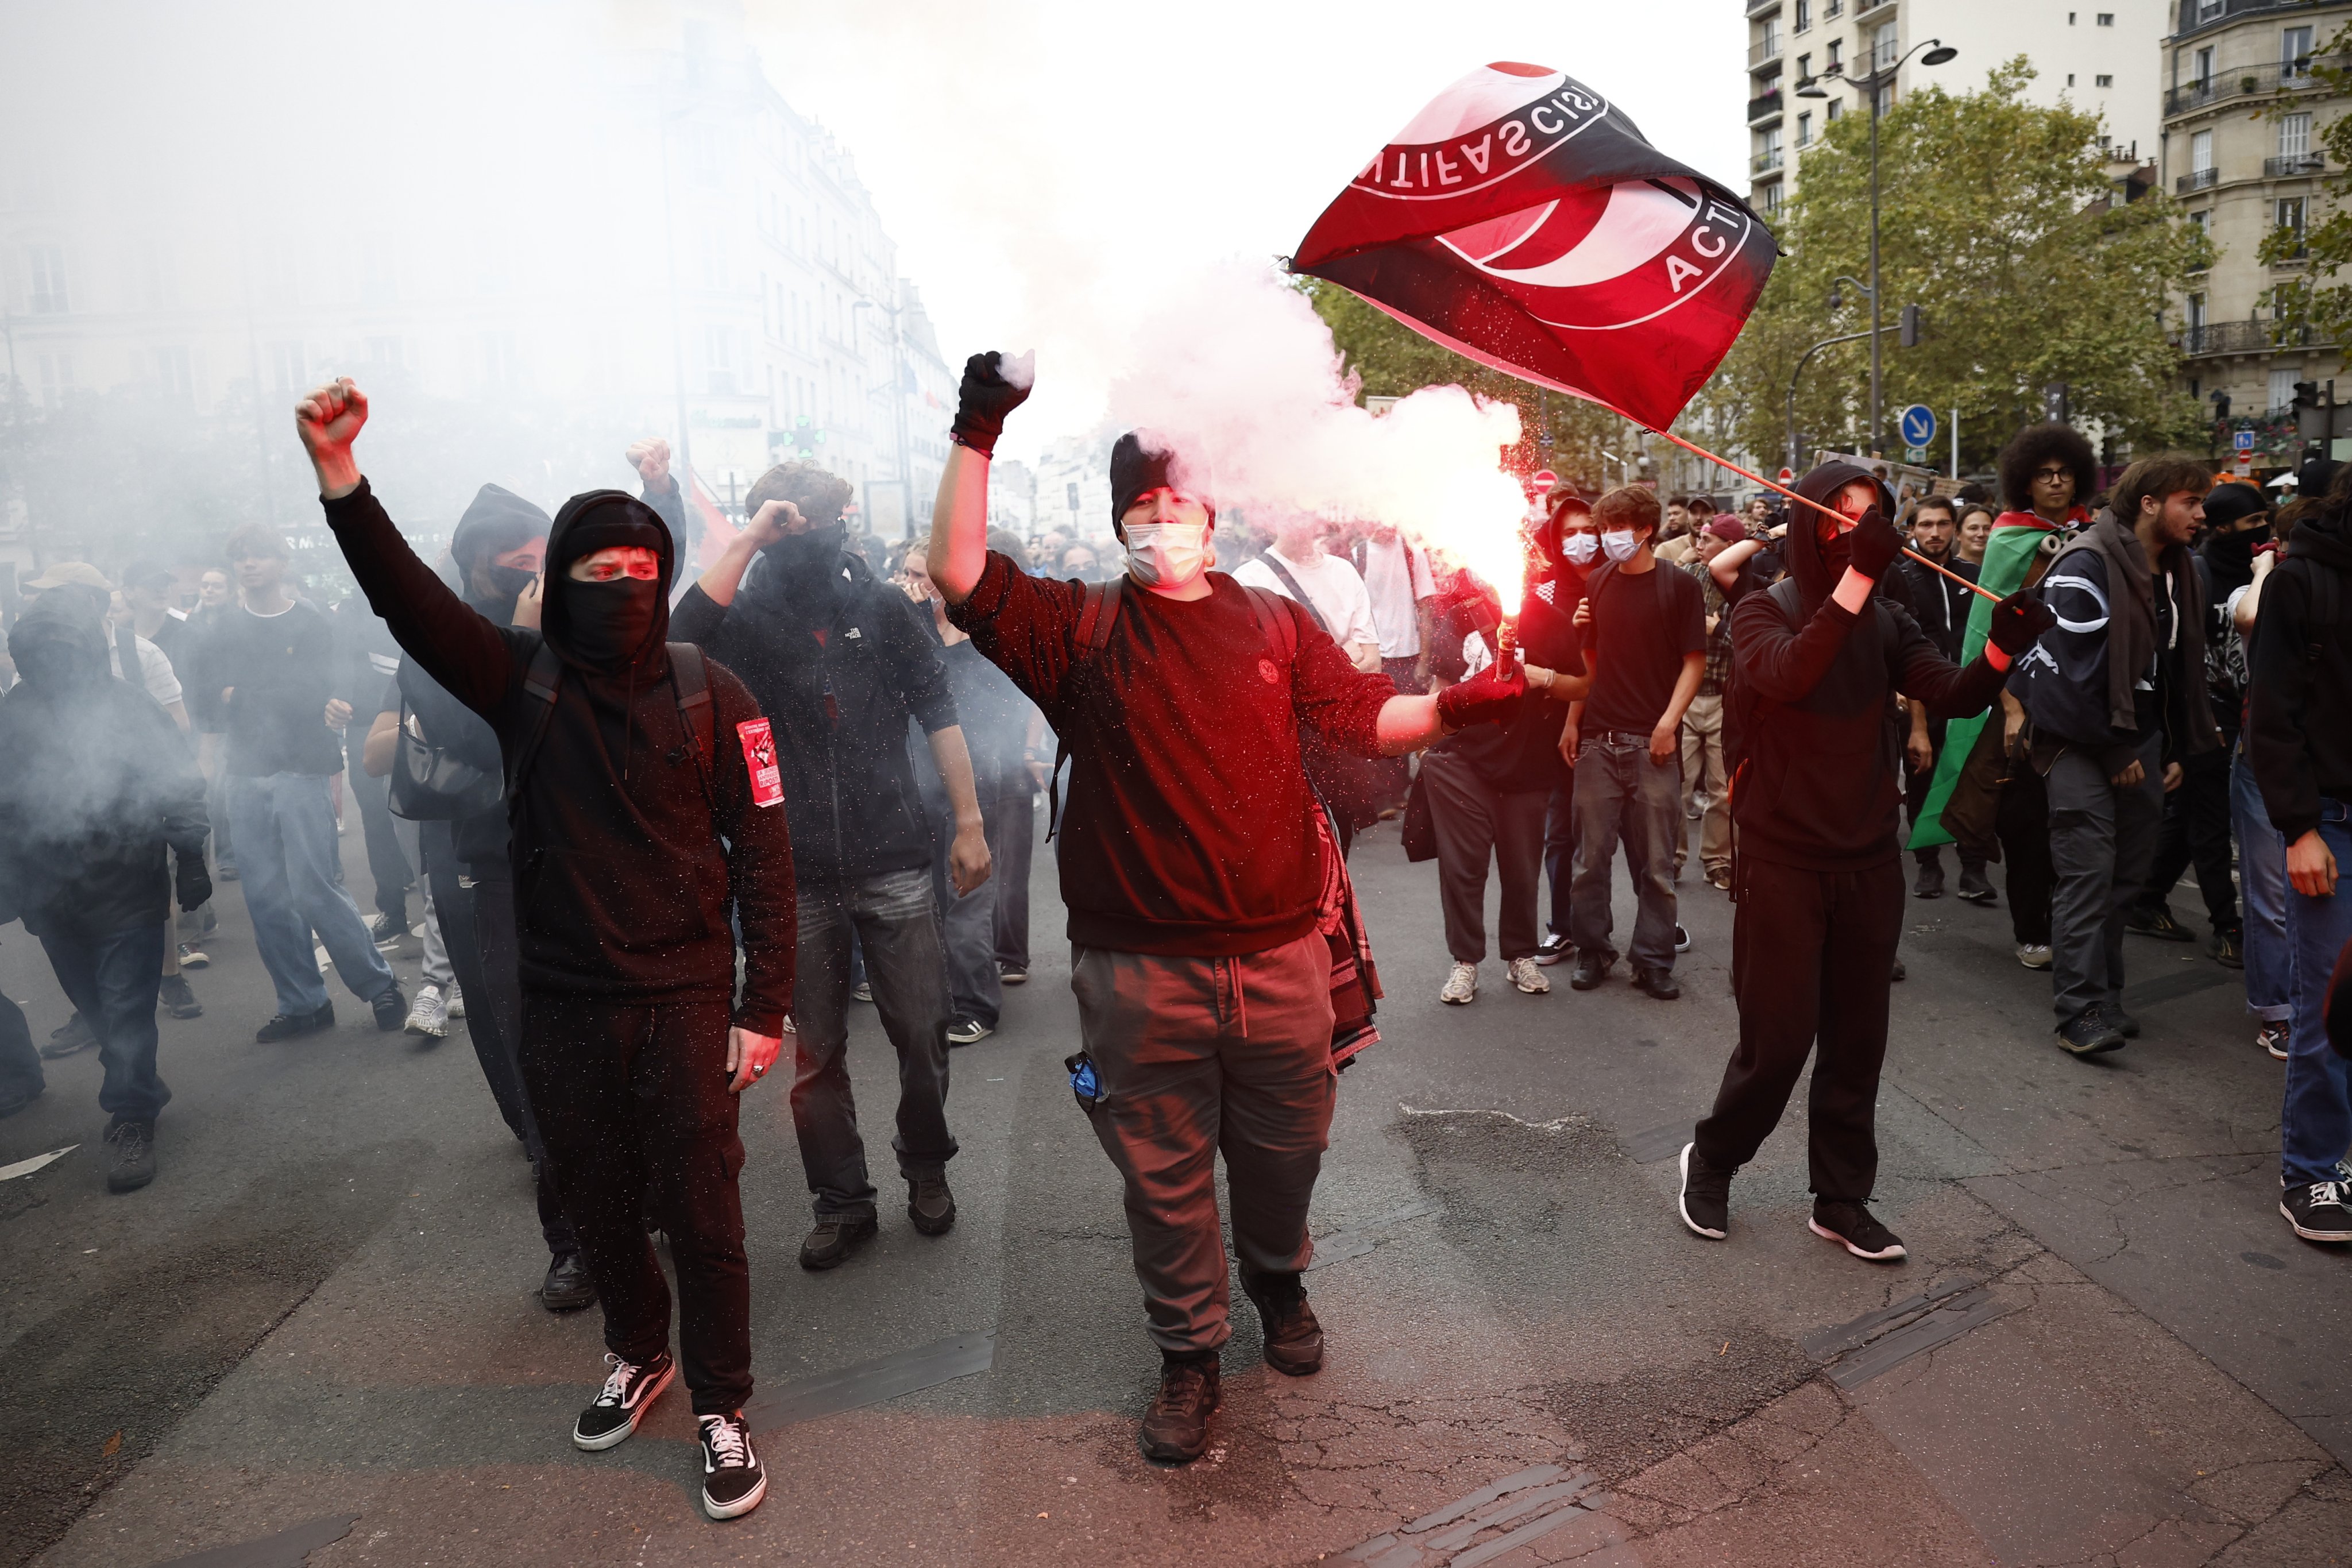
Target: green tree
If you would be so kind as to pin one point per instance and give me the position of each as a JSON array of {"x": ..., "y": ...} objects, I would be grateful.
[{"x": 1999, "y": 221}]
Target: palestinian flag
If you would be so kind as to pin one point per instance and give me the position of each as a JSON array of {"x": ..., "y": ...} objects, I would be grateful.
[
  {"x": 2017, "y": 537},
  {"x": 1522, "y": 220}
]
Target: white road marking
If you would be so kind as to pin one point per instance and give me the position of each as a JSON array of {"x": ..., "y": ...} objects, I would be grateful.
[{"x": 26, "y": 1167}]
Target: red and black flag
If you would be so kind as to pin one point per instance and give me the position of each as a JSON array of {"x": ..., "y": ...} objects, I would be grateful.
[{"x": 1521, "y": 219}]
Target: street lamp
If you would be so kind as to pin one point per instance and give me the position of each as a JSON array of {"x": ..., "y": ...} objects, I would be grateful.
[{"x": 1938, "y": 53}]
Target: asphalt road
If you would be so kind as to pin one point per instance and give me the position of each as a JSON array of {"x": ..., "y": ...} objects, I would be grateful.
[{"x": 313, "y": 1340}]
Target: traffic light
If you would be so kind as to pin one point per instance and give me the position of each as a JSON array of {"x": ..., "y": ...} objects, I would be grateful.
[
  {"x": 1910, "y": 334},
  {"x": 2053, "y": 402},
  {"x": 2307, "y": 394}
]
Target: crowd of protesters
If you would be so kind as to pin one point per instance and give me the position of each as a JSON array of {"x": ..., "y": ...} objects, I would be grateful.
[{"x": 559, "y": 747}]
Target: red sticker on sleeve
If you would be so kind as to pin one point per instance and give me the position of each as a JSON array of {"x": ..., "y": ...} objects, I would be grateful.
[{"x": 760, "y": 758}]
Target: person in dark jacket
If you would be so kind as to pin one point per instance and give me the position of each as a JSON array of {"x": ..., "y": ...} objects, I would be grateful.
[
  {"x": 1941, "y": 607},
  {"x": 633, "y": 832},
  {"x": 1199, "y": 876},
  {"x": 2117, "y": 699},
  {"x": 2299, "y": 742},
  {"x": 365, "y": 658},
  {"x": 1819, "y": 877},
  {"x": 840, "y": 662},
  {"x": 96, "y": 783}
]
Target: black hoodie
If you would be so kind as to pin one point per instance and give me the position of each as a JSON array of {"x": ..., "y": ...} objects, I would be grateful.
[
  {"x": 2299, "y": 727},
  {"x": 1824, "y": 779},
  {"x": 95, "y": 782},
  {"x": 621, "y": 879}
]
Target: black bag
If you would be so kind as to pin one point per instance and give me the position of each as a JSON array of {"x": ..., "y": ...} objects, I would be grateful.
[
  {"x": 1419, "y": 833},
  {"x": 1349, "y": 784},
  {"x": 429, "y": 784}
]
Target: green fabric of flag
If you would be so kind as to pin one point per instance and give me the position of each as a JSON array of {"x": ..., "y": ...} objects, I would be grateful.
[{"x": 2008, "y": 554}]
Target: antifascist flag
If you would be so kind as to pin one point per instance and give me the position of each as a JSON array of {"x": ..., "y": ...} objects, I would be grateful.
[{"x": 1522, "y": 220}]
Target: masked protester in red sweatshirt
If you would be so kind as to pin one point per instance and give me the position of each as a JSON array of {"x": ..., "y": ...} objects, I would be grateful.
[
  {"x": 1198, "y": 871},
  {"x": 1818, "y": 878}
]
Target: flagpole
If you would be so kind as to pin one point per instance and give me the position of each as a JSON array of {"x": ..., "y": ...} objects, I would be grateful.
[{"x": 1817, "y": 506}]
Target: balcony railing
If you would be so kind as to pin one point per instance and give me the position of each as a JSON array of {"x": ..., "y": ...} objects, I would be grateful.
[
  {"x": 1760, "y": 7},
  {"x": 2241, "y": 337},
  {"x": 2244, "y": 81},
  {"x": 2195, "y": 180},
  {"x": 1867, "y": 7},
  {"x": 1767, "y": 47},
  {"x": 1764, "y": 106},
  {"x": 1765, "y": 162},
  {"x": 2292, "y": 163}
]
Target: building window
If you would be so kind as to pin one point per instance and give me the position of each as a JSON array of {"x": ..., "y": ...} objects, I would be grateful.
[
  {"x": 2294, "y": 135},
  {"x": 718, "y": 347},
  {"x": 2208, "y": 9},
  {"x": 2193, "y": 311},
  {"x": 2106, "y": 18},
  {"x": 1770, "y": 43},
  {"x": 2294, "y": 53},
  {"x": 1832, "y": 9},
  {"x": 2200, "y": 151},
  {"x": 1835, "y": 110},
  {"x": 2282, "y": 389},
  {"x": 1772, "y": 199},
  {"x": 56, "y": 379},
  {"x": 2070, "y": 78},
  {"x": 286, "y": 369},
  {"x": 1804, "y": 68},
  {"x": 48, "y": 280},
  {"x": 1886, "y": 98},
  {"x": 1804, "y": 14},
  {"x": 2103, "y": 81},
  {"x": 1886, "y": 48},
  {"x": 1804, "y": 130},
  {"x": 2287, "y": 215},
  {"x": 2201, "y": 221},
  {"x": 2203, "y": 61},
  {"x": 1837, "y": 47}
]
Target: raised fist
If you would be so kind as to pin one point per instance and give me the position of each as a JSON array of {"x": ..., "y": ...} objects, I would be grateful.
[
  {"x": 1876, "y": 544},
  {"x": 772, "y": 521},
  {"x": 650, "y": 458},
  {"x": 329, "y": 420},
  {"x": 992, "y": 387}
]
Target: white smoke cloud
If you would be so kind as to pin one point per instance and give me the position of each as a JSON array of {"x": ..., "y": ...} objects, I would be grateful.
[{"x": 1234, "y": 367}]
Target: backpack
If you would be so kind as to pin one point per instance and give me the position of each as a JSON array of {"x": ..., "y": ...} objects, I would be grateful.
[
  {"x": 690, "y": 676},
  {"x": 430, "y": 783}
]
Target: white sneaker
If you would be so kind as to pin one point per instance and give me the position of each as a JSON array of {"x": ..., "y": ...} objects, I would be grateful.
[
  {"x": 1462, "y": 985},
  {"x": 457, "y": 1002},
  {"x": 1528, "y": 978},
  {"x": 2033, "y": 954},
  {"x": 429, "y": 1014}
]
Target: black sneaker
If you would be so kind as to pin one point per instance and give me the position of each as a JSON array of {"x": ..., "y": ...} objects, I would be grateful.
[
  {"x": 289, "y": 1026},
  {"x": 929, "y": 1204},
  {"x": 1900, "y": 972},
  {"x": 2126, "y": 1025},
  {"x": 1013, "y": 974},
  {"x": 2156, "y": 923},
  {"x": 567, "y": 1287},
  {"x": 1294, "y": 1340},
  {"x": 968, "y": 1032},
  {"x": 1590, "y": 968},
  {"x": 2319, "y": 1212},
  {"x": 386, "y": 929},
  {"x": 2089, "y": 1032},
  {"x": 1705, "y": 1201},
  {"x": 1856, "y": 1230},
  {"x": 1658, "y": 982},
  {"x": 391, "y": 1009},
  {"x": 73, "y": 1035},
  {"x": 1176, "y": 1428},
  {"x": 629, "y": 1391},
  {"x": 129, "y": 1154},
  {"x": 2227, "y": 948},
  {"x": 1931, "y": 884},
  {"x": 831, "y": 1242},
  {"x": 1975, "y": 888},
  {"x": 2273, "y": 1039},
  {"x": 179, "y": 998},
  {"x": 732, "y": 1481},
  {"x": 1552, "y": 950}
]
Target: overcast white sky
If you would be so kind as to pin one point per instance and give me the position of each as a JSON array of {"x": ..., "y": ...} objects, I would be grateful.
[{"x": 1048, "y": 168}]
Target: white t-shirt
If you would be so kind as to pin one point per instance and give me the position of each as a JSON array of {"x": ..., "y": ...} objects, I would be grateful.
[
  {"x": 1331, "y": 586},
  {"x": 155, "y": 668},
  {"x": 1396, "y": 577}
]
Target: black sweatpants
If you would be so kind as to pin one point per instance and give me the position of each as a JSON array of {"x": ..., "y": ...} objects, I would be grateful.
[
  {"x": 632, "y": 1099},
  {"x": 1812, "y": 957},
  {"x": 2022, "y": 822},
  {"x": 2196, "y": 829}
]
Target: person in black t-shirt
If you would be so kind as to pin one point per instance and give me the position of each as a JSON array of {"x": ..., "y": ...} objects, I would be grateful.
[{"x": 1647, "y": 647}]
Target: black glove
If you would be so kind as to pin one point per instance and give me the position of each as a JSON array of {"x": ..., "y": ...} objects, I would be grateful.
[
  {"x": 2018, "y": 623},
  {"x": 983, "y": 401},
  {"x": 1873, "y": 544},
  {"x": 1491, "y": 696},
  {"x": 196, "y": 882}
]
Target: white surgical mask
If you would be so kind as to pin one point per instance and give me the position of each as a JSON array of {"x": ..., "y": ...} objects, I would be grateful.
[
  {"x": 1618, "y": 543},
  {"x": 1167, "y": 555},
  {"x": 1580, "y": 548}
]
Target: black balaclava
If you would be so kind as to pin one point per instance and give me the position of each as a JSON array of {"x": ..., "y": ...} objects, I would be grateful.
[
  {"x": 496, "y": 521},
  {"x": 1857, "y": 678},
  {"x": 60, "y": 648},
  {"x": 2228, "y": 552},
  {"x": 606, "y": 628}
]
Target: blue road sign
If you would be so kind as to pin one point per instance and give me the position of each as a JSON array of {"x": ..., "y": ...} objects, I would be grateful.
[
  {"x": 1918, "y": 424},
  {"x": 2245, "y": 440}
]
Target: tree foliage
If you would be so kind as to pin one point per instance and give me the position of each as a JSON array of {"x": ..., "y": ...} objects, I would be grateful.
[{"x": 1997, "y": 218}]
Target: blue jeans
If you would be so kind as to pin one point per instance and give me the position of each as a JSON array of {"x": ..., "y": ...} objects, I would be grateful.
[
  {"x": 291, "y": 864},
  {"x": 1622, "y": 793},
  {"x": 2315, "y": 1123},
  {"x": 113, "y": 980},
  {"x": 2262, "y": 878},
  {"x": 899, "y": 934}
]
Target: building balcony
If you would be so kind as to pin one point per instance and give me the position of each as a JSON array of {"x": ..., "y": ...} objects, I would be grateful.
[
  {"x": 2196, "y": 180},
  {"x": 2248, "y": 82},
  {"x": 2216, "y": 338},
  {"x": 1871, "y": 8},
  {"x": 2293, "y": 165},
  {"x": 1765, "y": 164},
  {"x": 1756, "y": 8},
  {"x": 1763, "y": 49},
  {"x": 1764, "y": 106}
]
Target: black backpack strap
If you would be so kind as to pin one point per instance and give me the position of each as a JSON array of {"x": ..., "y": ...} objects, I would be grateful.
[
  {"x": 2322, "y": 607},
  {"x": 1275, "y": 622},
  {"x": 539, "y": 683},
  {"x": 690, "y": 678},
  {"x": 1297, "y": 594}
]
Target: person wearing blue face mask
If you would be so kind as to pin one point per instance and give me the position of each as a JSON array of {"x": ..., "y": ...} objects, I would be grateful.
[{"x": 1571, "y": 539}]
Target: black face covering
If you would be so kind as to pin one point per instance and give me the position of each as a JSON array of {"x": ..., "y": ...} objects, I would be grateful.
[
  {"x": 609, "y": 622},
  {"x": 56, "y": 668},
  {"x": 1837, "y": 555},
  {"x": 507, "y": 582},
  {"x": 800, "y": 556}
]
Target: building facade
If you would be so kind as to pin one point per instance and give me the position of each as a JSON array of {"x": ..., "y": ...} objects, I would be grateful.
[
  {"x": 2101, "y": 59},
  {"x": 2245, "y": 112}
]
